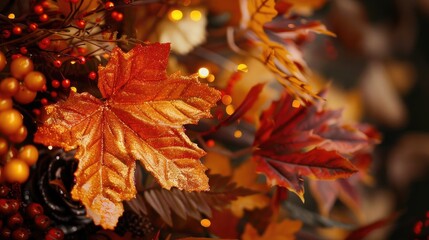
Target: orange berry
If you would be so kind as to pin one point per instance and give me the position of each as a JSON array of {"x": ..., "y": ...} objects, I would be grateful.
[
  {"x": 16, "y": 170},
  {"x": 19, "y": 136},
  {"x": 5, "y": 103},
  {"x": 9, "y": 86},
  {"x": 34, "y": 81},
  {"x": 29, "y": 154},
  {"x": 10, "y": 121},
  {"x": 21, "y": 67},
  {"x": 24, "y": 95}
]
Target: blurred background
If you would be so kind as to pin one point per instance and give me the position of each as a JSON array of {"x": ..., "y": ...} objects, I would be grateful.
[{"x": 379, "y": 69}]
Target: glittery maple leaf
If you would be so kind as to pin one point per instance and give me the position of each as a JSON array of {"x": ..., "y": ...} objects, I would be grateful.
[{"x": 140, "y": 117}]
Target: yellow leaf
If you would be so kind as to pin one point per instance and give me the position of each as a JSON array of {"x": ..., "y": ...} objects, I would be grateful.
[
  {"x": 259, "y": 13},
  {"x": 275, "y": 56}
]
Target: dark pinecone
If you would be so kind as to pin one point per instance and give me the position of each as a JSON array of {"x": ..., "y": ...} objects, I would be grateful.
[
  {"x": 50, "y": 184},
  {"x": 139, "y": 226}
]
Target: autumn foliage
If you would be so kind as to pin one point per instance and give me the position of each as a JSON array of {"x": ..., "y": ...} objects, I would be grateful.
[{"x": 140, "y": 117}]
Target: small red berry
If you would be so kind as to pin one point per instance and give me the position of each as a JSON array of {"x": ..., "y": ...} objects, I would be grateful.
[
  {"x": 5, "y": 33},
  {"x": 36, "y": 112},
  {"x": 81, "y": 59},
  {"x": 42, "y": 221},
  {"x": 109, "y": 6},
  {"x": 17, "y": 30},
  {"x": 92, "y": 75},
  {"x": 80, "y": 24},
  {"x": 65, "y": 83},
  {"x": 5, "y": 233},
  {"x": 32, "y": 27},
  {"x": 55, "y": 83},
  {"x": 16, "y": 56},
  {"x": 4, "y": 190},
  {"x": 44, "y": 17},
  {"x": 5, "y": 208},
  {"x": 21, "y": 234},
  {"x": 210, "y": 143},
  {"x": 45, "y": 4},
  {"x": 15, "y": 221},
  {"x": 81, "y": 50},
  {"x": 54, "y": 94},
  {"x": 23, "y": 50},
  {"x": 42, "y": 46},
  {"x": 114, "y": 14},
  {"x": 119, "y": 17},
  {"x": 14, "y": 204},
  {"x": 34, "y": 209},
  {"x": 57, "y": 63},
  {"x": 54, "y": 234},
  {"x": 38, "y": 9},
  {"x": 44, "y": 101},
  {"x": 44, "y": 43}
]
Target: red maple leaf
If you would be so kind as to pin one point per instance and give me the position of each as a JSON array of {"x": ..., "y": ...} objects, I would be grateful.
[{"x": 310, "y": 141}]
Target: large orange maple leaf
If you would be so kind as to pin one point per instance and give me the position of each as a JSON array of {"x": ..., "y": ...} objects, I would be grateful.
[{"x": 140, "y": 116}]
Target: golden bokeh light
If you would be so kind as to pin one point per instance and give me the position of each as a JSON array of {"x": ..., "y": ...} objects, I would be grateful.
[
  {"x": 203, "y": 72},
  {"x": 296, "y": 103},
  {"x": 242, "y": 67},
  {"x": 205, "y": 222},
  {"x": 238, "y": 134},
  {"x": 176, "y": 15},
  {"x": 229, "y": 109},
  {"x": 195, "y": 15}
]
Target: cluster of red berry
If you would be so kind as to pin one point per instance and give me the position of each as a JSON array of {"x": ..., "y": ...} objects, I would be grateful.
[{"x": 21, "y": 222}]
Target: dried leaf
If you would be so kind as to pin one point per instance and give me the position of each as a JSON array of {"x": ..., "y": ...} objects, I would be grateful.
[
  {"x": 291, "y": 74},
  {"x": 284, "y": 230},
  {"x": 258, "y": 13},
  {"x": 293, "y": 142},
  {"x": 192, "y": 204},
  {"x": 141, "y": 116},
  {"x": 287, "y": 170}
]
